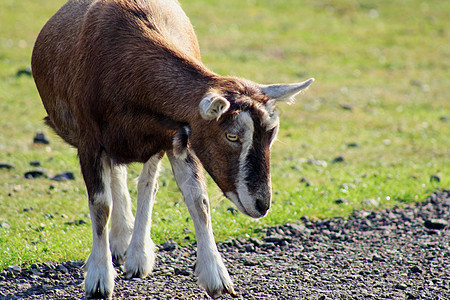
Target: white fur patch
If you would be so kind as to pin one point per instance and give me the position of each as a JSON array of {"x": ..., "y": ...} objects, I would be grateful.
[
  {"x": 243, "y": 196},
  {"x": 122, "y": 218},
  {"x": 212, "y": 274},
  {"x": 100, "y": 271},
  {"x": 141, "y": 251}
]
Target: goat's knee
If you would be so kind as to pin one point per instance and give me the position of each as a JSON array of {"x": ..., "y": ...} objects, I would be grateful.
[{"x": 201, "y": 205}]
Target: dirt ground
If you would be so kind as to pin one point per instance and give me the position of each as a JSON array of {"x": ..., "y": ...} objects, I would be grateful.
[{"x": 389, "y": 254}]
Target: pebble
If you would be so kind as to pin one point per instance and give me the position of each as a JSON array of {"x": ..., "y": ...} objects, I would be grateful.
[
  {"x": 232, "y": 210},
  {"x": 341, "y": 201},
  {"x": 338, "y": 159},
  {"x": 62, "y": 269},
  {"x": 169, "y": 245},
  {"x": 37, "y": 173},
  {"x": 437, "y": 224},
  {"x": 35, "y": 163},
  {"x": 15, "y": 269},
  {"x": 64, "y": 176},
  {"x": 346, "y": 106},
  {"x": 25, "y": 71},
  {"x": 76, "y": 222},
  {"x": 435, "y": 178},
  {"x": 40, "y": 138},
  {"x": 353, "y": 145},
  {"x": 6, "y": 166},
  {"x": 359, "y": 262}
]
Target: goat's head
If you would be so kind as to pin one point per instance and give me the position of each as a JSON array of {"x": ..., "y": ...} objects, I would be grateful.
[{"x": 232, "y": 138}]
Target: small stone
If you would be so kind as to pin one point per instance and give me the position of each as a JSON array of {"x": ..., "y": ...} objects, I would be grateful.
[
  {"x": 305, "y": 181},
  {"x": 35, "y": 163},
  {"x": 400, "y": 286},
  {"x": 15, "y": 269},
  {"x": 35, "y": 173},
  {"x": 268, "y": 246},
  {"x": 64, "y": 176},
  {"x": 377, "y": 257},
  {"x": 436, "y": 224},
  {"x": 5, "y": 165},
  {"x": 435, "y": 178},
  {"x": 62, "y": 269},
  {"x": 48, "y": 216},
  {"x": 276, "y": 238},
  {"x": 40, "y": 138},
  {"x": 232, "y": 210},
  {"x": 339, "y": 159},
  {"x": 184, "y": 272},
  {"x": 346, "y": 106},
  {"x": 169, "y": 245},
  {"x": 256, "y": 242},
  {"x": 353, "y": 145},
  {"x": 249, "y": 248},
  {"x": 76, "y": 222},
  {"x": 250, "y": 263},
  {"x": 24, "y": 72},
  {"x": 415, "y": 270},
  {"x": 341, "y": 201}
]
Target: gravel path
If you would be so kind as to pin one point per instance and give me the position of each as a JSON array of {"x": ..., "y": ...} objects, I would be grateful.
[{"x": 390, "y": 254}]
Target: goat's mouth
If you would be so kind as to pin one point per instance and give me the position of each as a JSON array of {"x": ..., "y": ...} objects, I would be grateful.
[{"x": 254, "y": 213}]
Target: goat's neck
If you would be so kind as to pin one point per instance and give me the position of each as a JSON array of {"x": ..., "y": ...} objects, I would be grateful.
[{"x": 178, "y": 88}]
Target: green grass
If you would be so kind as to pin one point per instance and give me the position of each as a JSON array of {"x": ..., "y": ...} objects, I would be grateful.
[{"x": 389, "y": 60}]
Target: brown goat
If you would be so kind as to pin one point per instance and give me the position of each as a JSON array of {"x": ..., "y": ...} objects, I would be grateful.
[{"x": 122, "y": 81}]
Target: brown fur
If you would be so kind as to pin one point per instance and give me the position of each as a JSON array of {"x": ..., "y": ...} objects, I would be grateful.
[
  {"x": 122, "y": 81},
  {"x": 123, "y": 76}
]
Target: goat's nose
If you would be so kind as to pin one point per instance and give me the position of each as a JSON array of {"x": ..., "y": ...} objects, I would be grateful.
[{"x": 262, "y": 206}]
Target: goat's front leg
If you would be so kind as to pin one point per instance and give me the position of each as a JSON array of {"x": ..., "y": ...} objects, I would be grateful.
[
  {"x": 122, "y": 219},
  {"x": 212, "y": 274},
  {"x": 96, "y": 169},
  {"x": 140, "y": 256}
]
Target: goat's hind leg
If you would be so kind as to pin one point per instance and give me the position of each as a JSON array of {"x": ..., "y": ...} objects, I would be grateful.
[
  {"x": 121, "y": 217},
  {"x": 141, "y": 251},
  {"x": 212, "y": 273},
  {"x": 96, "y": 169}
]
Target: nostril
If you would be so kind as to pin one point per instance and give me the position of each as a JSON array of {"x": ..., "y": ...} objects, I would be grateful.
[{"x": 262, "y": 206}]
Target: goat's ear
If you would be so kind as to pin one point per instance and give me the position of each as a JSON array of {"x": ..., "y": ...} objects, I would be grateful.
[
  {"x": 181, "y": 142},
  {"x": 285, "y": 92},
  {"x": 213, "y": 106}
]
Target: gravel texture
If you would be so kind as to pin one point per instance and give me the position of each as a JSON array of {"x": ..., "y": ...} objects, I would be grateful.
[{"x": 389, "y": 254}]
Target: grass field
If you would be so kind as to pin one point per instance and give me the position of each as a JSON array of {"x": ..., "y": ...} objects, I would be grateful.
[{"x": 381, "y": 100}]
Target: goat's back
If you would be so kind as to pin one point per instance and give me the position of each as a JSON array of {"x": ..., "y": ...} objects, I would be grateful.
[{"x": 84, "y": 50}]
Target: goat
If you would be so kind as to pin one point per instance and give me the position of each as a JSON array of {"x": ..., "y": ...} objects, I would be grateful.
[{"x": 122, "y": 81}]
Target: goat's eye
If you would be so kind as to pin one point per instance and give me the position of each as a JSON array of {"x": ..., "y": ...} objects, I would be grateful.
[{"x": 232, "y": 137}]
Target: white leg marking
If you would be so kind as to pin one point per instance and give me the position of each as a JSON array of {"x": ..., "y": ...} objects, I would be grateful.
[
  {"x": 141, "y": 251},
  {"x": 122, "y": 219},
  {"x": 100, "y": 272},
  {"x": 212, "y": 274}
]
